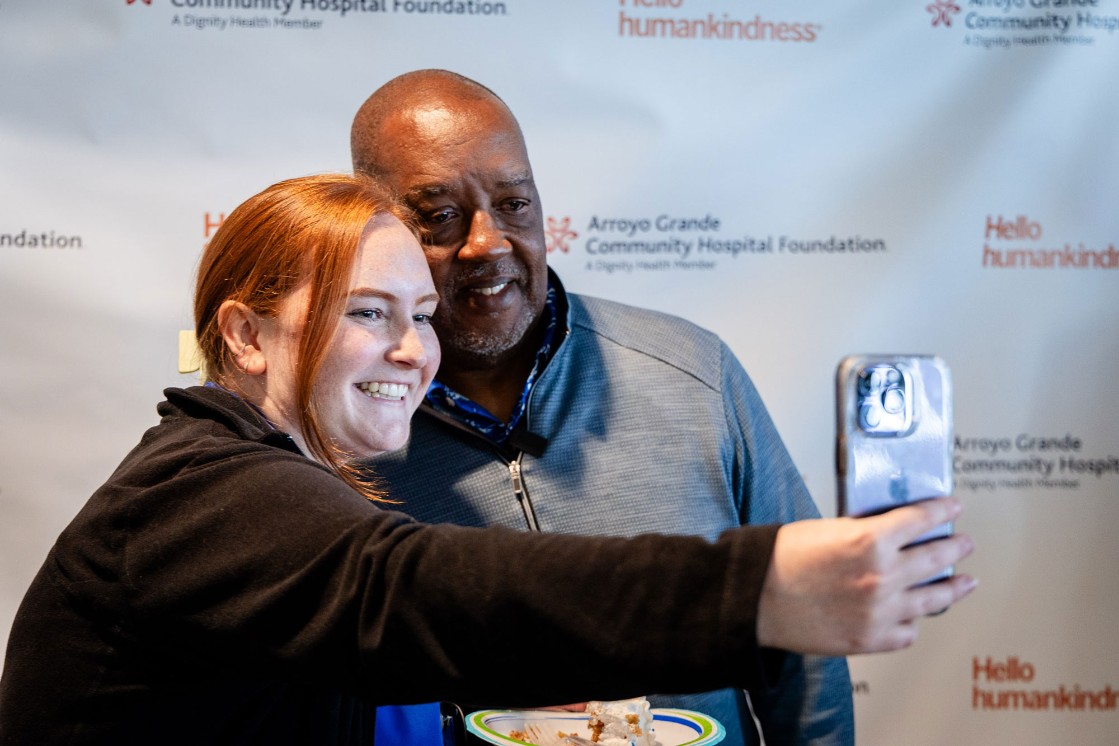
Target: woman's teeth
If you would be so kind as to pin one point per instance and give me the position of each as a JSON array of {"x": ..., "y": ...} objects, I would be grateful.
[{"x": 384, "y": 390}]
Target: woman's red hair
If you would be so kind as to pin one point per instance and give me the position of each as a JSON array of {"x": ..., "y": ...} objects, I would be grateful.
[{"x": 304, "y": 229}]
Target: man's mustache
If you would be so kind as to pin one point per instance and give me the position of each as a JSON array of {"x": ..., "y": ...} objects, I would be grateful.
[{"x": 507, "y": 270}]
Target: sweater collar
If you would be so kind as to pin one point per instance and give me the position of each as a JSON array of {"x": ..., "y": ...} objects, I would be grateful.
[{"x": 213, "y": 402}]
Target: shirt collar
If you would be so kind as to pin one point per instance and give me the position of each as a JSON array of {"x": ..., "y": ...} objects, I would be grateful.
[{"x": 449, "y": 402}]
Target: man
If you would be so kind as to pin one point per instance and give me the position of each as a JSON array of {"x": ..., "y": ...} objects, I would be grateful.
[{"x": 562, "y": 413}]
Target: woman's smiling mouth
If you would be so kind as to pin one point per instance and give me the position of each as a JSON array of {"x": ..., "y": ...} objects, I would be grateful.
[{"x": 384, "y": 390}]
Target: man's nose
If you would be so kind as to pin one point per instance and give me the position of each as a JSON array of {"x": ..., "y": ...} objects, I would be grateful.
[{"x": 486, "y": 242}]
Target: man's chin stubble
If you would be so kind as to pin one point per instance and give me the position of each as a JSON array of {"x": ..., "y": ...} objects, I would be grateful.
[{"x": 474, "y": 349}]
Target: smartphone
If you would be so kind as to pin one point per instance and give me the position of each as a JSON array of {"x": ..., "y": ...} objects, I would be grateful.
[{"x": 893, "y": 434}]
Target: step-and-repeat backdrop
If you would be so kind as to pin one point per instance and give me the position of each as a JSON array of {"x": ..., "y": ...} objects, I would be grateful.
[{"x": 808, "y": 179}]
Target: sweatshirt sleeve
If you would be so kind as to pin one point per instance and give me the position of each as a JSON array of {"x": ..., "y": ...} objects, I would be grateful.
[{"x": 266, "y": 563}]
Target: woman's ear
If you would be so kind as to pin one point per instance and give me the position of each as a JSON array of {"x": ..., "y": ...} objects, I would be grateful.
[{"x": 240, "y": 328}]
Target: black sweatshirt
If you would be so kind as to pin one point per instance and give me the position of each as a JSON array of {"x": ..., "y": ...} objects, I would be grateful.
[{"x": 221, "y": 588}]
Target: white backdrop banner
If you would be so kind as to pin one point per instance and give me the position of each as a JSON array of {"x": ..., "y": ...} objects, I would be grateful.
[{"x": 807, "y": 179}]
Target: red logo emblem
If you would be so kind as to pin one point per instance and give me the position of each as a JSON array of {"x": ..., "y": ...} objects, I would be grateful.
[
  {"x": 942, "y": 11},
  {"x": 211, "y": 224},
  {"x": 558, "y": 234},
  {"x": 130, "y": 2}
]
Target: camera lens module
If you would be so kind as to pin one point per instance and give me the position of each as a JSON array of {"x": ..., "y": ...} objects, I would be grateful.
[{"x": 883, "y": 403}]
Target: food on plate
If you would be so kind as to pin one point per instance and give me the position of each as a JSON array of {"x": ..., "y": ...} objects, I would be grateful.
[{"x": 623, "y": 722}]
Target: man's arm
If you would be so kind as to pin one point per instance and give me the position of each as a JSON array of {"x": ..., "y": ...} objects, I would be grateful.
[{"x": 810, "y": 699}]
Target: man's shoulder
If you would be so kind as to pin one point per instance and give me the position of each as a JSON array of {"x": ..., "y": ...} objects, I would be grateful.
[
  {"x": 632, "y": 324},
  {"x": 659, "y": 336}
]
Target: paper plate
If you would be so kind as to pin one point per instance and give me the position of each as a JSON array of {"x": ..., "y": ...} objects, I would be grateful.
[{"x": 672, "y": 727}]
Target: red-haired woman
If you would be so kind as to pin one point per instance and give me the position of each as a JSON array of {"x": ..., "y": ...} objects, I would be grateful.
[{"x": 235, "y": 581}]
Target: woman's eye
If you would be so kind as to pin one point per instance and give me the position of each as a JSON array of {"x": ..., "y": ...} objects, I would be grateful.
[
  {"x": 368, "y": 313},
  {"x": 422, "y": 318}
]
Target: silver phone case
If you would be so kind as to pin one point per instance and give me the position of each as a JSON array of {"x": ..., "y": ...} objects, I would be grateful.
[{"x": 893, "y": 448}]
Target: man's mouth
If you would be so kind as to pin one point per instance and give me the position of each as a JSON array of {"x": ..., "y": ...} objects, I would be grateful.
[
  {"x": 384, "y": 390},
  {"x": 490, "y": 290}
]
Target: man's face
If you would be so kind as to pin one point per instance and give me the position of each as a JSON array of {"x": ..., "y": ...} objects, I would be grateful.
[{"x": 463, "y": 168}]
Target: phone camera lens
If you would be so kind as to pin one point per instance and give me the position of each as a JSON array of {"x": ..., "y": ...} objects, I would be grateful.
[{"x": 893, "y": 400}]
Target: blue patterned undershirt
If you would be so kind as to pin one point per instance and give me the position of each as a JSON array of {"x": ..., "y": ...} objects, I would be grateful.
[{"x": 453, "y": 404}]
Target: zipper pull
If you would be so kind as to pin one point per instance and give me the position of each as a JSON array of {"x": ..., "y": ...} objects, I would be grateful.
[{"x": 522, "y": 496}]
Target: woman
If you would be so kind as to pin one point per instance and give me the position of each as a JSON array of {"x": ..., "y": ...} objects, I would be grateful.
[{"x": 235, "y": 581}]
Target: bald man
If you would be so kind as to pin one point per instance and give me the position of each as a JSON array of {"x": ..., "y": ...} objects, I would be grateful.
[{"x": 558, "y": 412}]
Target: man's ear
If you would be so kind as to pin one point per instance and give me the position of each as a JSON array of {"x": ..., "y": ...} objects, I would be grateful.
[{"x": 240, "y": 328}]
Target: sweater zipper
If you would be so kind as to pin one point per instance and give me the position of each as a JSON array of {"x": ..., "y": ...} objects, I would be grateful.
[
  {"x": 514, "y": 466},
  {"x": 521, "y": 493},
  {"x": 519, "y": 490}
]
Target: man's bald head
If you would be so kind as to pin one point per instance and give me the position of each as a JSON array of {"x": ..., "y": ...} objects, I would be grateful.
[
  {"x": 419, "y": 90},
  {"x": 454, "y": 153}
]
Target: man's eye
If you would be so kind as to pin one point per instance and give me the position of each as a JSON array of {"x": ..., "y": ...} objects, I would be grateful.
[
  {"x": 439, "y": 217},
  {"x": 516, "y": 205}
]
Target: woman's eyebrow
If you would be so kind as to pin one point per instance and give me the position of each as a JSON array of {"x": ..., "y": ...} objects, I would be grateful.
[{"x": 384, "y": 294}]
